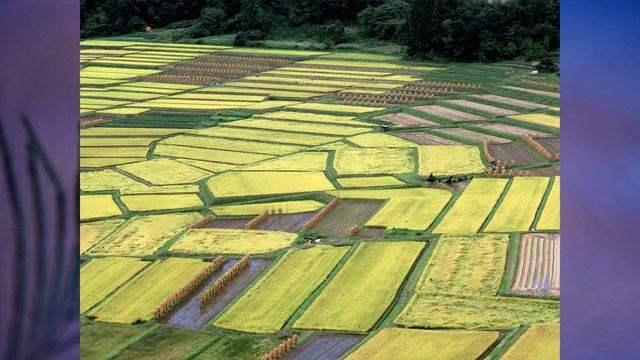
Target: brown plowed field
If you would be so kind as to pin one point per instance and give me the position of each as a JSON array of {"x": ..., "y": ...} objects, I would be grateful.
[
  {"x": 193, "y": 316},
  {"x": 482, "y": 107},
  {"x": 323, "y": 346},
  {"x": 546, "y": 171},
  {"x": 426, "y": 139},
  {"x": 370, "y": 233},
  {"x": 552, "y": 144},
  {"x": 447, "y": 113},
  {"x": 538, "y": 270},
  {"x": 346, "y": 214},
  {"x": 475, "y": 136},
  {"x": 534, "y": 91},
  {"x": 513, "y": 130},
  {"x": 222, "y": 223},
  {"x": 510, "y": 101},
  {"x": 285, "y": 222},
  {"x": 405, "y": 120},
  {"x": 513, "y": 151}
]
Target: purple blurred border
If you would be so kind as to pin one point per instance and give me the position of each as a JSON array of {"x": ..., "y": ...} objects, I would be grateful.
[
  {"x": 600, "y": 55},
  {"x": 39, "y": 78}
]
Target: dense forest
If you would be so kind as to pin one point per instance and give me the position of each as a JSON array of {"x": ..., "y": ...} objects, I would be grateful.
[{"x": 458, "y": 30}]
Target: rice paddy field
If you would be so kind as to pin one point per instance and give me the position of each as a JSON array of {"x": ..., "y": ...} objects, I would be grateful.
[{"x": 346, "y": 198}]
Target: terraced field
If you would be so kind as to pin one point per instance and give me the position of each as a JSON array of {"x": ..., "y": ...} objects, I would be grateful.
[{"x": 231, "y": 198}]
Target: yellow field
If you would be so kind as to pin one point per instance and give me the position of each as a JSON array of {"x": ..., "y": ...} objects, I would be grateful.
[
  {"x": 276, "y": 93},
  {"x": 114, "y": 152},
  {"x": 449, "y": 160},
  {"x": 232, "y": 145},
  {"x": 147, "y": 202},
  {"x": 85, "y": 101},
  {"x": 108, "y": 179},
  {"x": 102, "y": 276},
  {"x": 369, "y": 161},
  {"x": 412, "y": 344},
  {"x": 541, "y": 119},
  {"x": 302, "y": 81},
  {"x": 121, "y": 141},
  {"x": 91, "y": 233},
  {"x": 265, "y": 135},
  {"x": 367, "y": 64},
  {"x": 334, "y": 71},
  {"x": 158, "y": 85},
  {"x": 305, "y": 161},
  {"x": 223, "y": 156},
  {"x": 165, "y": 172},
  {"x": 139, "y": 298},
  {"x": 410, "y": 213},
  {"x": 164, "y": 189},
  {"x": 315, "y": 128},
  {"x": 313, "y": 117},
  {"x": 276, "y": 87},
  {"x": 143, "y": 235},
  {"x": 472, "y": 207},
  {"x": 540, "y": 341},
  {"x": 379, "y": 140},
  {"x": 550, "y": 217},
  {"x": 270, "y": 104},
  {"x": 98, "y": 206},
  {"x": 114, "y": 131},
  {"x": 92, "y": 162},
  {"x": 519, "y": 206},
  {"x": 364, "y": 182},
  {"x": 282, "y": 52},
  {"x": 288, "y": 207},
  {"x": 206, "y": 165},
  {"x": 231, "y": 241},
  {"x": 385, "y": 193},
  {"x": 336, "y": 108},
  {"x": 253, "y": 183},
  {"x": 223, "y": 97},
  {"x": 125, "y": 95},
  {"x": 123, "y": 111}
]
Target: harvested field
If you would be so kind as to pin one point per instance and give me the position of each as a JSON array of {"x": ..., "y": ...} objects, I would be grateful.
[
  {"x": 540, "y": 341},
  {"x": 268, "y": 305},
  {"x": 222, "y": 223},
  {"x": 192, "y": 315},
  {"x": 538, "y": 265},
  {"x": 482, "y": 107},
  {"x": 533, "y": 91},
  {"x": 510, "y": 101},
  {"x": 426, "y": 139},
  {"x": 447, "y": 113},
  {"x": 513, "y": 152},
  {"x": 545, "y": 171},
  {"x": 472, "y": 135},
  {"x": 363, "y": 289},
  {"x": 370, "y": 232},
  {"x": 346, "y": 214},
  {"x": 552, "y": 144},
  {"x": 405, "y": 120},
  {"x": 285, "y": 222},
  {"x": 413, "y": 344},
  {"x": 513, "y": 130},
  {"x": 92, "y": 233},
  {"x": 323, "y": 346}
]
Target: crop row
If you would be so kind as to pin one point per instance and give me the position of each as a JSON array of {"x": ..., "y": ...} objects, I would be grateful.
[
  {"x": 176, "y": 70},
  {"x": 539, "y": 148},
  {"x": 215, "y": 289},
  {"x": 321, "y": 214},
  {"x": 256, "y": 221},
  {"x": 177, "y": 297},
  {"x": 200, "y": 223},
  {"x": 93, "y": 121},
  {"x": 487, "y": 153},
  {"x": 546, "y": 84},
  {"x": 501, "y": 171},
  {"x": 281, "y": 349},
  {"x": 181, "y": 79},
  {"x": 448, "y": 84},
  {"x": 214, "y": 65},
  {"x": 247, "y": 59}
]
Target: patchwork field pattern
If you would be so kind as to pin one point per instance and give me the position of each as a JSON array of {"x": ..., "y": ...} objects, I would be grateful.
[{"x": 192, "y": 152}]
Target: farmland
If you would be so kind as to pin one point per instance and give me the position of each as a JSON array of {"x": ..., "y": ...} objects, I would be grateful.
[{"x": 346, "y": 198}]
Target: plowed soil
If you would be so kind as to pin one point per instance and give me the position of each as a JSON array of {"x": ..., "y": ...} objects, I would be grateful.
[
  {"x": 513, "y": 151},
  {"x": 475, "y": 136},
  {"x": 447, "y": 113},
  {"x": 486, "y": 108},
  {"x": 509, "y": 101},
  {"x": 513, "y": 130},
  {"x": 426, "y": 139},
  {"x": 323, "y": 346},
  {"x": 346, "y": 214},
  {"x": 405, "y": 120},
  {"x": 285, "y": 222},
  {"x": 552, "y": 144}
]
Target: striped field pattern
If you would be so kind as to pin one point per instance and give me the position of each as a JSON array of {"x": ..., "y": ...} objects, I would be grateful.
[{"x": 538, "y": 265}]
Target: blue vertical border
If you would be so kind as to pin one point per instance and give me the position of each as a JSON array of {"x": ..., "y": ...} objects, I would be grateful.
[{"x": 600, "y": 195}]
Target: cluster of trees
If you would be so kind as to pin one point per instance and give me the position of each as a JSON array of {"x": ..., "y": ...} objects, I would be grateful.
[{"x": 460, "y": 30}]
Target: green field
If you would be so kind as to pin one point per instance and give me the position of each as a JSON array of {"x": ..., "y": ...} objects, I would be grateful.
[
  {"x": 366, "y": 285},
  {"x": 262, "y": 309}
]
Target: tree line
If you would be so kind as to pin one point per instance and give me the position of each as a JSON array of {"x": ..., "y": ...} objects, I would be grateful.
[{"x": 457, "y": 30}]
